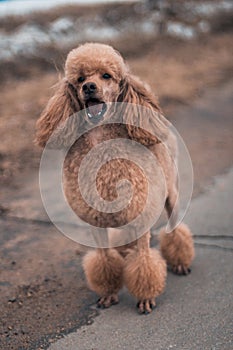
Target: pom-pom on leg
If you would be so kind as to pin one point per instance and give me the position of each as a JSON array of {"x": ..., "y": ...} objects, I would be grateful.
[
  {"x": 177, "y": 248},
  {"x": 104, "y": 273},
  {"x": 145, "y": 275}
]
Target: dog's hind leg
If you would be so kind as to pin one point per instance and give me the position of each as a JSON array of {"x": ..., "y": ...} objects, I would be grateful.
[
  {"x": 104, "y": 273},
  {"x": 144, "y": 274},
  {"x": 176, "y": 246}
]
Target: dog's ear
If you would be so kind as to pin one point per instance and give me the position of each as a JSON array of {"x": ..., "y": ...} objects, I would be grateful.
[
  {"x": 145, "y": 125},
  {"x": 55, "y": 120}
]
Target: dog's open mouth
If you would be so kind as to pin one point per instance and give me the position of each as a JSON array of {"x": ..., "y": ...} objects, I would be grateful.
[{"x": 95, "y": 109}]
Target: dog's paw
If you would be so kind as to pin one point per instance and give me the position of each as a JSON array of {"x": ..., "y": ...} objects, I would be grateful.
[
  {"x": 146, "y": 306},
  {"x": 177, "y": 249},
  {"x": 107, "y": 301},
  {"x": 181, "y": 270}
]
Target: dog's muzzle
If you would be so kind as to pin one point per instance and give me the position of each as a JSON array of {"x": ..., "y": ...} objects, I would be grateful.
[{"x": 95, "y": 110}]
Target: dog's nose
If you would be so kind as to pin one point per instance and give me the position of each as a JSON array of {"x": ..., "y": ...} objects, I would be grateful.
[{"x": 89, "y": 88}]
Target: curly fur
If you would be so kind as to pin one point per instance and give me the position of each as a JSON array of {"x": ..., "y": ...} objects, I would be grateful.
[
  {"x": 67, "y": 100},
  {"x": 177, "y": 247},
  {"x": 143, "y": 270},
  {"x": 63, "y": 104},
  {"x": 104, "y": 271}
]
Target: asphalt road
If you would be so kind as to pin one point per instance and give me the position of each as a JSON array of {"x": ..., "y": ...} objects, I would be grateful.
[{"x": 195, "y": 312}]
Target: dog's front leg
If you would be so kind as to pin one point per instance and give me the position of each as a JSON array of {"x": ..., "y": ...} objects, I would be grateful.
[
  {"x": 104, "y": 274},
  {"x": 145, "y": 274}
]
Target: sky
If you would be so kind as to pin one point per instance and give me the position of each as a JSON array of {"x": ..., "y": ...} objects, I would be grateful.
[{"x": 17, "y": 7}]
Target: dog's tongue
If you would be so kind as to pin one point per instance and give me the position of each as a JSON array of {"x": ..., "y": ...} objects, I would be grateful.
[{"x": 95, "y": 108}]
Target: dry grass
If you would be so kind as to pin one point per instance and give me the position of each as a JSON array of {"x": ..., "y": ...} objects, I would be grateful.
[
  {"x": 177, "y": 71},
  {"x": 52, "y": 56}
]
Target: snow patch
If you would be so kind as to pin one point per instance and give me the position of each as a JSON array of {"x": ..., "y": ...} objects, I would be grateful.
[
  {"x": 210, "y": 8},
  {"x": 180, "y": 30}
]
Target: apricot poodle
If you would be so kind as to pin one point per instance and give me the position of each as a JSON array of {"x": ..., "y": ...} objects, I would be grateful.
[{"x": 96, "y": 76}]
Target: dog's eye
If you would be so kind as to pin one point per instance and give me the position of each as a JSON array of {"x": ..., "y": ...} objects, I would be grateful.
[
  {"x": 106, "y": 76},
  {"x": 81, "y": 79}
]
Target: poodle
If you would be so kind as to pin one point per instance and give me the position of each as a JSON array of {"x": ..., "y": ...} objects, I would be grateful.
[{"x": 96, "y": 76}]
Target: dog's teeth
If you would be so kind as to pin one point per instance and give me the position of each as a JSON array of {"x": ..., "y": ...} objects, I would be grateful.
[
  {"x": 89, "y": 115},
  {"x": 99, "y": 113}
]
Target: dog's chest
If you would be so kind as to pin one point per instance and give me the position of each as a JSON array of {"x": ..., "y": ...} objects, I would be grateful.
[
  {"x": 95, "y": 136},
  {"x": 104, "y": 133},
  {"x": 100, "y": 162}
]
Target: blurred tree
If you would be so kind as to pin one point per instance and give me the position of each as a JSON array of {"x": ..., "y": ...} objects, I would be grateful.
[{"x": 161, "y": 6}]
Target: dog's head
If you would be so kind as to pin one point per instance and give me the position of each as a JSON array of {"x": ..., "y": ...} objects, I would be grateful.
[
  {"x": 95, "y": 76},
  {"x": 95, "y": 71}
]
